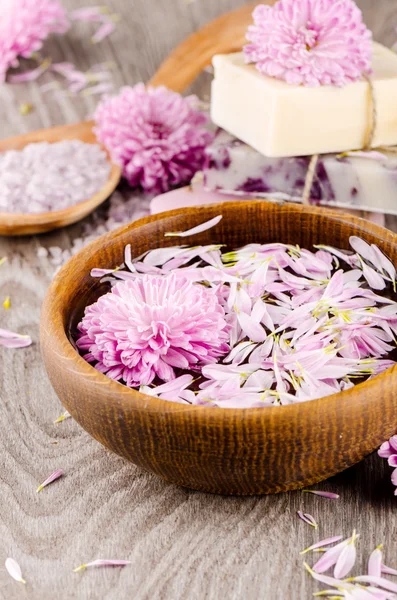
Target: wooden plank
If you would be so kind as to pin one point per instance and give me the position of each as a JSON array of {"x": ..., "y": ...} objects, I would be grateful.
[{"x": 182, "y": 544}]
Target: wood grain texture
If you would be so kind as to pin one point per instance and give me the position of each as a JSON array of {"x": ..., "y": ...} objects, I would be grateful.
[
  {"x": 183, "y": 545},
  {"x": 254, "y": 451}
]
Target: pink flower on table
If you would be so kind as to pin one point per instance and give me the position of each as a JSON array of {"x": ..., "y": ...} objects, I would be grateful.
[
  {"x": 155, "y": 134},
  {"x": 24, "y": 25},
  {"x": 149, "y": 326},
  {"x": 310, "y": 42}
]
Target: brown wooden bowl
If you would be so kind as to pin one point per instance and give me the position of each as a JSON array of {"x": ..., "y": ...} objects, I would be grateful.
[
  {"x": 227, "y": 451},
  {"x": 26, "y": 224}
]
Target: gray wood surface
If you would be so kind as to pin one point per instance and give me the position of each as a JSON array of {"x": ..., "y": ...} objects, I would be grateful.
[{"x": 182, "y": 544}]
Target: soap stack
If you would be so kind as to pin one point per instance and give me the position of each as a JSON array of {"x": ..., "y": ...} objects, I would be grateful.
[{"x": 270, "y": 129}]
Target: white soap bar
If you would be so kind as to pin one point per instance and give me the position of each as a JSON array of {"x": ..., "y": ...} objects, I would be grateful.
[
  {"x": 366, "y": 181},
  {"x": 278, "y": 119}
]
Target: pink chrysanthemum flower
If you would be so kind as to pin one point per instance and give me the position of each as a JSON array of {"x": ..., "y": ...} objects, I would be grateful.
[
  {"x": 146, "y": 327},
  {"x": 156, "y": 135},
  {"x": 389, "y": 450},
  {"x": 24, "y": 25},
  {"x": 310, "y": 42}
]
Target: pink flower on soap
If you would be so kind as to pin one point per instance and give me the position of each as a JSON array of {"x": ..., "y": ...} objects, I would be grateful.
[
  {"x": 310, "y": 42},
  {"x": 149, "y": 326},
  {"x": 155, "y": 134},
  {"x": 24, "y": 25}
]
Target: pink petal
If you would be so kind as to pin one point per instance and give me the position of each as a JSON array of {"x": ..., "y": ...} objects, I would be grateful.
[
  {"x": 329, "y": 495},
  {"x": 392, "y": 460},
  {"x": 337, "y": 583},
  {"x": 101, "y": 272},
  {"x": 375, "y": 562},
  {"x": 103, "y": 32},
  {"x": 307, "y": 519},
  {"x": 373, "y": 154},
  {"x": 30, "y": 75},
  {"x": 101, "y": 88},
  {"x": 128, "y": 258},
  {"x": 330, "y": 558},
  {"x": 373, "y": 278},
  {"x": 253, "y": 330},
  {"x": 53, "y": 477},
  {"x": 102, "y": 563},
  {"x": 362, "y": 248},
  {"x": 197, "y": 229},
  {"x": 394, "y": 477},
  {"x": 88, "y": 13},
  {"x": 383, "y": 263},
  {"x": 388, "y": 570},
  {"x": 9, "y": 339},
  {"x": 385, "y": 450},
  {"x": 346, "y": 560},
  {"x": 379, "y": 581},
  {"x": 322, "y": 543}
]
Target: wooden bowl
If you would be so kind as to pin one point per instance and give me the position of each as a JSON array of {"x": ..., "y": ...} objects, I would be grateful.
[
  {"x": 26, "y": 224},
  {"x": 226, "y": 451}
]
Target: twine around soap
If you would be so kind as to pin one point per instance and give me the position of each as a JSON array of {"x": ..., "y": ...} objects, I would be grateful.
[{"x": 369, "y": 138}]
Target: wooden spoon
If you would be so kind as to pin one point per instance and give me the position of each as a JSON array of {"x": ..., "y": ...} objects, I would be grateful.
[
  {"x": 25, "y": 224},
  {"x": 222, "y": 35}
]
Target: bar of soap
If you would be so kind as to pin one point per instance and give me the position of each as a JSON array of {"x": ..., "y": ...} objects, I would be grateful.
[
  {"x": 279, "y": 120},
  {"x": 367, "y": 181}
]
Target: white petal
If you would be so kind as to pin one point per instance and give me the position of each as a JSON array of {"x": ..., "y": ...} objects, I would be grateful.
[
  {"x": 197, "y": 229},
  {"x": 14, "y": 570},
  {"x": 346, "y": 561}
]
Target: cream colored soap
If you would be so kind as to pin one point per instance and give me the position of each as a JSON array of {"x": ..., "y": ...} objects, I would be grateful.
[{"x": 278, "y": 119}]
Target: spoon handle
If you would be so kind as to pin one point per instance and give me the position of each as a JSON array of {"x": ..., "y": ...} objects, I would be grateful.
[{"x": 222, "y": 35}]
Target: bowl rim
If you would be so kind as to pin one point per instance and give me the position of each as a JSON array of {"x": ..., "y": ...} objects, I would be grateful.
[{"x": 52, "y": 327}]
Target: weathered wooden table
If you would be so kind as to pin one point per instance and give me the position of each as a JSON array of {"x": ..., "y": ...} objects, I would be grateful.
[{"x": 182, "y": 544}]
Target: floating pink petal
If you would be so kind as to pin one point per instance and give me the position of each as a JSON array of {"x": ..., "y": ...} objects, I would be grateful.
[
  {"x": 329, "y": 495},
  {"x": 198, "y": 229},
  {"x": 102, "y": 563},
  {"x": 53, "y": 477}
]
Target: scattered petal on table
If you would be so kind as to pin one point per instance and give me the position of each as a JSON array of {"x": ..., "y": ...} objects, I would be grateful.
[
  {"x": 14, "y": 570},
  {"x": 322, "y": 543},
  {"x": 102, "y": 563},
  {"x": 53, "y": 477},
  {"x": 330, "y": 495}
]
